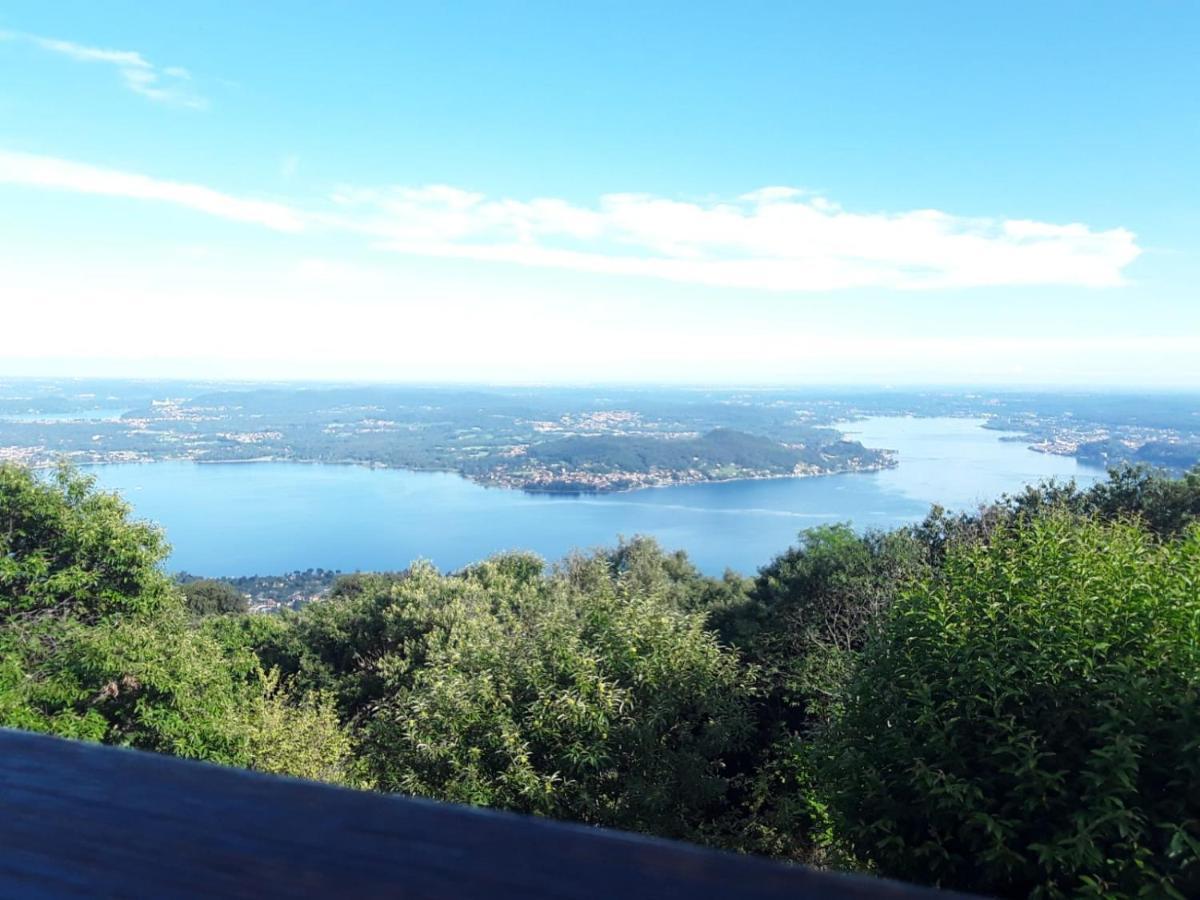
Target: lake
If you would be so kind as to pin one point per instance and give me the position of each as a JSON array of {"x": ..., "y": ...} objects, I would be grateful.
[
  {"x": 262, "y": 518},
  {"x": 91, "y": 415}
]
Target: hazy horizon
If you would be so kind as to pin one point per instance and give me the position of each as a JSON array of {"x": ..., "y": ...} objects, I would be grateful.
[{"x": 864, "y": 387}]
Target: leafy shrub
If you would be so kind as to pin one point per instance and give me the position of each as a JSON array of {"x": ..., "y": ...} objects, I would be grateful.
[
  {"x": 501, "y": 687},
  {"x": 70, "y": 553},
  {"x": 211, "y": 597},
  {"x": 800, "y": 626},
  {"x": 96, "y": 644},
  {"x": 815, "y": 604},
  {"x": 1028, "y": 722}
]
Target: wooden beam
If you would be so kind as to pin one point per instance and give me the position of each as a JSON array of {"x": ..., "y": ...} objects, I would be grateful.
[{"x": 81, "y": 819}]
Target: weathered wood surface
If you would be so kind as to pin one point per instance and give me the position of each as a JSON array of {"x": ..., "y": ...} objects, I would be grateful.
[{"x": 83, "y": 820}]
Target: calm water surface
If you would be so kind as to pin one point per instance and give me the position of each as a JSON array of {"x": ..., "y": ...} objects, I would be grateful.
[
  {"x": 242, "y": 519},
  {"x": 91, "y": 415}
]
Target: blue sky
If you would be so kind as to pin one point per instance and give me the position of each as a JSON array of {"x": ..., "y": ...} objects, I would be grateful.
[{"x": 748, "y": 192}]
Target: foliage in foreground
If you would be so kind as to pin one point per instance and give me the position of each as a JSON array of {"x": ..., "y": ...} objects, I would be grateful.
[
  {"x": 586, "y": 694},
  {"x": 1005, "y": 701},
  {"x": 1028, "y": 722},
  {"x": 96, "y": 644}
]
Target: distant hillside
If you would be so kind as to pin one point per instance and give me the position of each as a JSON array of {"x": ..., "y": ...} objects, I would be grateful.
[
  {"x": 1176, "y": 457},
  {"x": 620, "y": 462},
  {"x": 719, "y": 447}
]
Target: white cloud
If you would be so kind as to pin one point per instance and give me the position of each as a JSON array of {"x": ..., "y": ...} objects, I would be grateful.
[
  {"x": 770, "y": 239},
  {"x": 166, "y": 84},
  {"x": 773, "y": 239},
  {"x": 58, "y": 174}
]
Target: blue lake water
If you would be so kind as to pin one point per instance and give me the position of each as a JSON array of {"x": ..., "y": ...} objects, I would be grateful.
[
  {"x": 91, "y": 415},
  {"x": 259, "y": 518}
]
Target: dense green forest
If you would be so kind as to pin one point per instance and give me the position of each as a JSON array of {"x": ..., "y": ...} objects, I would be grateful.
[
  {"x": 1006, "y": 702},
  {"x": 721, "y": 447}
]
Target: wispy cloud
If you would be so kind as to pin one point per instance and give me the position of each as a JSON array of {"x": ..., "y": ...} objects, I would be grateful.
[
  {"x": 32, "y": 170},
  {"x": 776, "y": 238},
  {"x": 163, "y": 84}
]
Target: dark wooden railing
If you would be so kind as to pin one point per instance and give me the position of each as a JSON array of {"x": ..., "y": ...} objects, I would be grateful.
[{"x": 84, "y": 820}]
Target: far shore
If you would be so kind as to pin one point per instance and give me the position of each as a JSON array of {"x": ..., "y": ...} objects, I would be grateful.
[{"x": 484, "y": 483}]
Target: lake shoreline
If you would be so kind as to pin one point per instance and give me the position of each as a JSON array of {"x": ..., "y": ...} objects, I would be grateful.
[{"x": 483, "y": 483}]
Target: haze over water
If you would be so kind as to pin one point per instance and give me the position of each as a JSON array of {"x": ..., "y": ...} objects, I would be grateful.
[{"x": 262, "y": 518}]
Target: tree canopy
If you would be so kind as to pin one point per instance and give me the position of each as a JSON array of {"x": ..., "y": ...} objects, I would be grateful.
[
  {"x": 1029, "y": 720},
  {"x": 96, "y": 643},
  {"x": 210, "y": 596}
]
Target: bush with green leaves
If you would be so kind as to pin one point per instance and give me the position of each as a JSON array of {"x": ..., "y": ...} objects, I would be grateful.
[
  {"x": 1166, "y": 506},
  {"x": 95, "y": 643},
  {"x": 585, "y": 693},
  {"x": 213, "y": 597},
  {"x": 1028, "y": 720},
  {"x": 800, "y": 626},
  {"x": 810, "y": 610}
]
